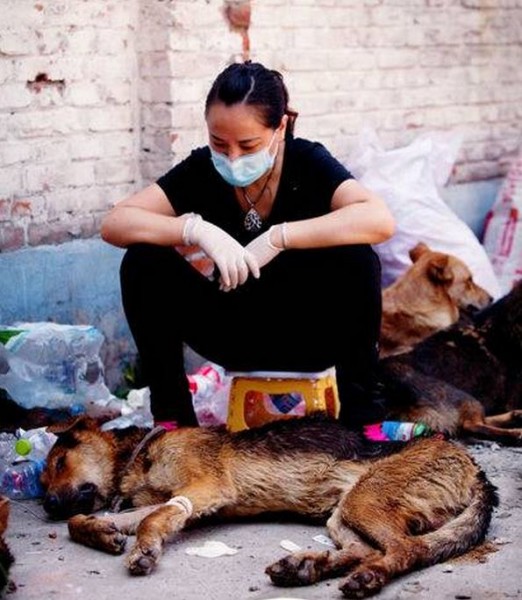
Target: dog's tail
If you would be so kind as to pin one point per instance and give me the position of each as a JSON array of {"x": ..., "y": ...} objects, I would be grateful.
[{"x": 464, "y": 531}]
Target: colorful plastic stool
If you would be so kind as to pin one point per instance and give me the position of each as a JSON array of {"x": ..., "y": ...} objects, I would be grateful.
[{"x": 259, "y": 397}]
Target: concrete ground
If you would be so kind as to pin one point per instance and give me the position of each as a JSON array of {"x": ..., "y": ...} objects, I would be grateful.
[{"x": 50, "y": 565}]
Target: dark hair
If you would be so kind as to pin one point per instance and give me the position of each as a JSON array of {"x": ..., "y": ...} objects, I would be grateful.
[{"x": 254, "y": 85}]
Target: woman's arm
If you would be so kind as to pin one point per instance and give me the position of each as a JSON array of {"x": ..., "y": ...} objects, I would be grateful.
[
  {"x": 147, "y": 217},
  {"x": 358, "y": 216}
]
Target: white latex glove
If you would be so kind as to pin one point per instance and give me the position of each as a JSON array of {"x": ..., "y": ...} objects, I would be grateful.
[
  {"x": 262, "y": 247},
  {"x": 234, "y": 262}
]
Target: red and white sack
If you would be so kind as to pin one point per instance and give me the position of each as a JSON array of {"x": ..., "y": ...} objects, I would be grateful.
[{"x": 503, "y": 229}]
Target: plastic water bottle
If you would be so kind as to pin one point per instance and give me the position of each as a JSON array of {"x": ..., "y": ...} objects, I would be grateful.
[
  {"x": 210, "y": 386},
  {"x": 21, "y": 481},
  {"x": 404, "y": 431},
  {"x": 400, "y": 431},
  {"x": 206, "y": 380},
  {"x": 22, "y": 460},
  {"x": 35, "y": 443}
]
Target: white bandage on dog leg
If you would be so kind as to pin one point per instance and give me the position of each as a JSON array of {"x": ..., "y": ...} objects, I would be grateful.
[{"x": 182, "y": 502}]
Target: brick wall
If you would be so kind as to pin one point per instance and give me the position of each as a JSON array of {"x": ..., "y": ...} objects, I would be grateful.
[
  {"x": 68, "y": 122},
  {"x": 99, "y": 97}
]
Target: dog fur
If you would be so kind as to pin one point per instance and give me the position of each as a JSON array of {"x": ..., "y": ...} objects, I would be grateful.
[
  {"x": 428, "y": 297},
  {"x": 6, "y": 558},
  {"x": 390, "y": 508},
  {"x": 466, "y": 379}
]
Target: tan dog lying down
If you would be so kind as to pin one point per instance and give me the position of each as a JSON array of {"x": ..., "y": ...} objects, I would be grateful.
[
  {"x": 428, "y": 297},
  {"x": 390, "y": 508}
]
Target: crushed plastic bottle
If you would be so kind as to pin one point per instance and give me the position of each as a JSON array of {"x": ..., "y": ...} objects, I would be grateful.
[
  {"x": 396, "y": 431},
  {"x": 22, "y": 460},
  {"x": 205, "y": 381},
  {"x": 210, "y": 388},
  {"x": 21, "y": 481},
  {"x": 35, "y": 443}
]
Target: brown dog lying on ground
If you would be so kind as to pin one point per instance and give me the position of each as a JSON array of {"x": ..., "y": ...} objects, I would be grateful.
[
  {"x": 467, "y": 379},
  {"x": 6, "y": 558},
  {"x": 428, "y": 297},
  {"x": 391, "y": 508}
]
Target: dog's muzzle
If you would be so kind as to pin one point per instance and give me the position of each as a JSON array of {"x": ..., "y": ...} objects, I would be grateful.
[{"x": 69, "y": 502}]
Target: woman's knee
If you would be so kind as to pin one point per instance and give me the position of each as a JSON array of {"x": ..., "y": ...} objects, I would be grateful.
[
  {"x": 143, "y": 256},
  {"x": 149, "y": 263}
]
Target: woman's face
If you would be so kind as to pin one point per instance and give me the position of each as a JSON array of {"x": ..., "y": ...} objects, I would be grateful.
[{"x": 237, "y": 130}]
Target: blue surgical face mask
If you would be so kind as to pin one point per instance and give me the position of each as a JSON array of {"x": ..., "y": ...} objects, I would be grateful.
[{"x": 245, "y": 169}]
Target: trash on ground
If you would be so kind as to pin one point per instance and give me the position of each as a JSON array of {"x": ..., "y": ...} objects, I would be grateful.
[
  {"x": 52, "y": 365},
  {"x": 211, "y": 549},
  {"x": 289, "y": 546},
  {"x": 324, "y": 539}
]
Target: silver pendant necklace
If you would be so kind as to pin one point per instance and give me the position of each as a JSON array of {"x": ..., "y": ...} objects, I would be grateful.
[{"x": 253, "y": 221}]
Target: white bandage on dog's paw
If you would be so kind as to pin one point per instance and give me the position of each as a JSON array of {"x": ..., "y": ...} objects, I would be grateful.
[{"x": 181, "y": 502}]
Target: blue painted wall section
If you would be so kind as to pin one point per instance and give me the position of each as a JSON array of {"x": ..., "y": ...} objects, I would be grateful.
[
  {"x": 472, "y": 201},
  {"x": 72, "y": 283}
]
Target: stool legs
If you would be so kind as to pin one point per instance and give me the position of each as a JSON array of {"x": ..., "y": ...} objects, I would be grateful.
[{"x": 247, "y": 399}]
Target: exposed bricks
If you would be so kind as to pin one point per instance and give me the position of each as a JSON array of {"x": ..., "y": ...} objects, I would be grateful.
[
  {"x": 42, "y": 81},
  {"x": 12, "y": 237},
  {"x": 238, "y": 14},
  {"x": 99, "y": 101}
]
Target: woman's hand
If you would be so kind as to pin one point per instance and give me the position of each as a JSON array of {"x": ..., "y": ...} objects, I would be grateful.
[{"x": 234, "y": 262}]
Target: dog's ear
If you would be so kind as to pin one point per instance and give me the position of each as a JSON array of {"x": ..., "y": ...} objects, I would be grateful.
[
  {"x": 79, "y": 423},
  {"x": 418, "y": 251},
  {"x": 439, "y": 269}
]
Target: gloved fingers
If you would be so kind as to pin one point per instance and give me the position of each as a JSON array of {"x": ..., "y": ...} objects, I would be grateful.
[
  {"x": 238, "y": 272},
  {"x": 252, "y": 264},
  {"x": 242, "y": 273},
  {"x": 228, "y": 279}
]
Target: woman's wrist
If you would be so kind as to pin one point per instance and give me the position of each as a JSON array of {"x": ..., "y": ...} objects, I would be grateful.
[
  {"x": 279, "y": 236},
  {"x": 188, "y": 227}
]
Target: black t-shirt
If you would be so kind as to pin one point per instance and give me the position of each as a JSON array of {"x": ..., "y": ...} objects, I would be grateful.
[{"x": 309, "y": 178}]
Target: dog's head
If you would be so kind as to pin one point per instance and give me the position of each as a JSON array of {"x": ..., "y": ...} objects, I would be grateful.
[
  {"x": 452, "y": 275},
  {"x": 79, "y": 473}
]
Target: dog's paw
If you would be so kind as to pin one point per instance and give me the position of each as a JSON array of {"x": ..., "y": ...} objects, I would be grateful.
[
  {"x": 99, "y": 533},
  {"x": 294, "y": 570},
  {"x": 363, "y": 582},
  {"x": 143, "y": 559}
]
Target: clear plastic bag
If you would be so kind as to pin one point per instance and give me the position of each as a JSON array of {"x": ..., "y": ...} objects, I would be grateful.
[{"x": 52, "y": 365}]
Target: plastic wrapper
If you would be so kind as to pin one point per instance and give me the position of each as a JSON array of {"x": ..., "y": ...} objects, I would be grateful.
[
  {"x": 52, "y": 365},
  {"x": 409, "y": 180},
  {"x": 503, "y": 229}
]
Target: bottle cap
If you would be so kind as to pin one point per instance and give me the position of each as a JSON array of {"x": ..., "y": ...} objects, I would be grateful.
[{"x": 23, "y": 447}]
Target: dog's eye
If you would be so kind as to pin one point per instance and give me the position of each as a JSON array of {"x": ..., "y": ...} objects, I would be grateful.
[{"x": 60, "y": 463}]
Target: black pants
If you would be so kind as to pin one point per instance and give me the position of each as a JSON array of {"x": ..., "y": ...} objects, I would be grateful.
[{"x": 309, "y": 310}]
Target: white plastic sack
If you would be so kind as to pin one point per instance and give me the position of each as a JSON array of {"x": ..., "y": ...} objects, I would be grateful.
[
  {"x": 408, "y": 179},
  {"x": 51, "y": 365},
  {"x": 503, "y": 230}
]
